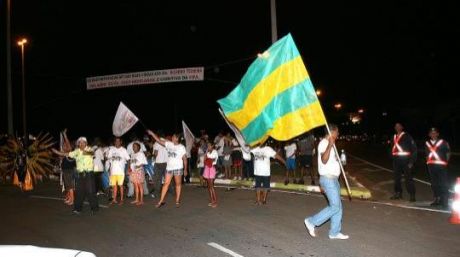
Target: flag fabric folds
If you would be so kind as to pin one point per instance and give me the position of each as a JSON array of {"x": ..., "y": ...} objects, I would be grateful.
[
  {"x": 124, "y": 120},
  {"x": 275, "y": 97},
  {"x": 244, "y": 146},
  {"x": 189, "y": 139}
]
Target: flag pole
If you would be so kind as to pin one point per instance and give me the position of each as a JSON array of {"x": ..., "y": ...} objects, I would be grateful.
[{"x": 340, "y": 164}]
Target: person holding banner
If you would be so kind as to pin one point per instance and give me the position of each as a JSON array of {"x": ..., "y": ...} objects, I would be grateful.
[
  {"x": 329, "y": 171},
  {"x": 176, "y": 166}
]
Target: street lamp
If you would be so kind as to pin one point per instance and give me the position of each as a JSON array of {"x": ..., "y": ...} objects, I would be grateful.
[
  {"x": 318, "y": 92},
  {"x": 22, "y": 43},
  {"x": 338, "y": 106},
  {"x": 361, "y": 111}
]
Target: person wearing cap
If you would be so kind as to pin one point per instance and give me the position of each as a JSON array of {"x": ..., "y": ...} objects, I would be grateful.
[
  {"x": 85, "y": 181},
  {"x": 437, "y": 159},
  {"x": 404, "y": 152}
]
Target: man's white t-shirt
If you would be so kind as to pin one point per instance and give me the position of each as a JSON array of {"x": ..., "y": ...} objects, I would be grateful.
[
  {"x": 332, "y": 167},
  {"x": 175, "y": 154},
  {"x": 201, "y": 154},
  {"x": 220, "y": 146},
  {"x": 130, "y": 150},
  {"x": 213, "y": 155},
  {"x": 98, "y": 157},
  {"x": 162, "y": 154},
  {"x": 118, "y": 158},
  {"x": 262, "y": 157},
  {"x": 137, "y": 159},
  {"x": 290, "y": 150}
]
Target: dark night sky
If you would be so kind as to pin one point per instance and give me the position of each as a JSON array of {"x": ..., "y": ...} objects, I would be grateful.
[{"x": 378, "y": 55}]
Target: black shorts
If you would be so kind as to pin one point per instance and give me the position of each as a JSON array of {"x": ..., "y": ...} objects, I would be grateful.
[
  {"x": 262, "y": 182},
  {"x": 305, "y": 161}
]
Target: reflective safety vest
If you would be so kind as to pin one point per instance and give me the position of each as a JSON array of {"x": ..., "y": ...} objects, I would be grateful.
[
  {"x": 397, "y": 149},
  {"x": 433, "y": 156}
]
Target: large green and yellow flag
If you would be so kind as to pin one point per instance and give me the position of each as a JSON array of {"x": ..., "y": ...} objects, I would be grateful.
[{"x": 275, "y": 97}]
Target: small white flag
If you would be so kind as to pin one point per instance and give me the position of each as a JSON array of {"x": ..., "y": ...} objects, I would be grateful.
[
  {"x": 189, "y": 139},
  {"x": 124, "y": 120},
  {"x": 239, "y": 137}
]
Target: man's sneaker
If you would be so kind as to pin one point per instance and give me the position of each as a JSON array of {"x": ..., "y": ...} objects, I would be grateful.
[
  {"x": 339, "y": 236},
  {"x": 76, "y": 212},
  {"x": 152, "y": 195},
  {"x": 310, "y": 227}
]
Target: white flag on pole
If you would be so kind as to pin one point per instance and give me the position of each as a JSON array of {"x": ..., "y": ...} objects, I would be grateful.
[
  {"x": 124, "y": 120},
  {"x": 239, "y": 137},
  {"x": 189, "y": 139}
]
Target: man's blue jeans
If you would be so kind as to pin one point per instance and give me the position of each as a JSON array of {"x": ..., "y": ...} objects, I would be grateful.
[{"x": 331, "y": 188}]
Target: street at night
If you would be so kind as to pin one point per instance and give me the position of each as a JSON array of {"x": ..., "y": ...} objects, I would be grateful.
[{"x": 229, "y": 128}]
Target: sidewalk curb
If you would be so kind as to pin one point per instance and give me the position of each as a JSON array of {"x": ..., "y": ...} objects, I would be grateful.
[{"x": 356, "y": 192}]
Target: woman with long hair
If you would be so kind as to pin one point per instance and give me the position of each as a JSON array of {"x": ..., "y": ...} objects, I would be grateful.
[{"x": 176, "y": 166}]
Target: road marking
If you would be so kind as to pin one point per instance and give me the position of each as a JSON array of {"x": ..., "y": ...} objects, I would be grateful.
[
  {"x": 225, "y": 250},
  {"x": 410, "y": 207},
  {"x": 385, "y": 169},
  {"x": 60, "y": 199}
]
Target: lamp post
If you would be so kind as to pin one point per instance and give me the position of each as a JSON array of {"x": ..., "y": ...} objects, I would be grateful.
[{"x": 22, "y": 43}]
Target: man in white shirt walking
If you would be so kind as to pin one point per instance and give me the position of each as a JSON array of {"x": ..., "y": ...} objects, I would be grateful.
[{"x": 329, "y": 171}]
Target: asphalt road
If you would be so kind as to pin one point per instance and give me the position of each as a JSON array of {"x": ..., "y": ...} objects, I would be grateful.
[{"x": 273, "y": 230}]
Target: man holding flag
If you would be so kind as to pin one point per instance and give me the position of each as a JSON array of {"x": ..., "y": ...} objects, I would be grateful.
[
  {"x": 329, "y": 171},
  {"x": 276, "y": 98}
]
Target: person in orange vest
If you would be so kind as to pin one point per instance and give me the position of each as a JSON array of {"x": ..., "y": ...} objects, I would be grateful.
[
  {"x": 437, "y": 159},
  {"x": 404, "y": 152}
]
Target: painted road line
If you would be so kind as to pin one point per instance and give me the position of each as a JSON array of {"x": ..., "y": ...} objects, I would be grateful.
[
  {"x": 60, "y": 199},
  {"x": 410, "y": 207},
  {"x": 225, "y": 250},
  {"x": 385, "y": 169}
]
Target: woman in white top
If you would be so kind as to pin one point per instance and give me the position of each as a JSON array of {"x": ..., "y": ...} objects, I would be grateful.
[
  {"x": 176, "y": 166},
  {"x": 209, "y": 173},
  {"x": 136, "y": 173}
]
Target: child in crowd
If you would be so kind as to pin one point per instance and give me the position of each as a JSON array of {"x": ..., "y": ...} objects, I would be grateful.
[{"x": 209, "y": 173}]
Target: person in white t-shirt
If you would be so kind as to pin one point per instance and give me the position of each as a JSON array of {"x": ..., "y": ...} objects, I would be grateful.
[
  {"x": 291, "y": 150},
  {"x": 329, "y": 171},
  {"x": 209, "y": 173},
  {"x": 176, "y": 165},
  {"x": 99, "y": 150},
  {"x": 161, "y": 159},
  {"x": 137, "y": 175},
  {"x": 202, "y": 149},
  {"x": 262, "y": 155},
  {"x": 118, "y": 157}
]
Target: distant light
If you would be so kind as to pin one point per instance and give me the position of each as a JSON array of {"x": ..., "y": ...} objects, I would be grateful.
[
  {"x": 318, "y": 92},
  {"x": 22, "y": 42},
  {"x": 361, "y": 111},
  {"x": 338, "y": 106},
  {"x": 264, "y": 55},
  {"x": 384, "y": 114}
]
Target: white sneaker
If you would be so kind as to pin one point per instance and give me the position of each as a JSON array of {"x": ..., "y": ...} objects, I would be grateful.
[
  {"x": 235, "y": 178},
  {"x": 310, "y": 227},
  {"x": 339, "y": 236}
]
